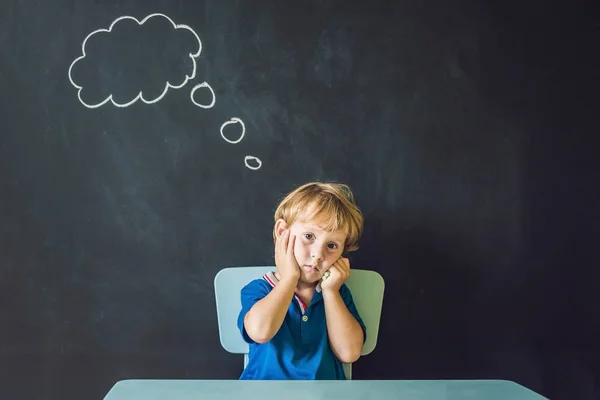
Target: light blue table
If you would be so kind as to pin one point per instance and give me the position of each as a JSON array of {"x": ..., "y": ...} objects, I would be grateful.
[{"x": 320, "y": 390}]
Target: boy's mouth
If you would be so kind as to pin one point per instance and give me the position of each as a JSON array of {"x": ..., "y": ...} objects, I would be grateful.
[{"x": 311, "y": 267}]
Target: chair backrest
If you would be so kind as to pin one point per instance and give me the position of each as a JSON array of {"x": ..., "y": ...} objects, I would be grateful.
[{"x": 367, "y": 289}]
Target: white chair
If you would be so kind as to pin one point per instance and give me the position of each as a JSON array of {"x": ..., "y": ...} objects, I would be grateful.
[{"x": 367, "y": 289}]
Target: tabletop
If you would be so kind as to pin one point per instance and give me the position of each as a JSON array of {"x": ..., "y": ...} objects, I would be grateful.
[{"x": 317, "y": 390}]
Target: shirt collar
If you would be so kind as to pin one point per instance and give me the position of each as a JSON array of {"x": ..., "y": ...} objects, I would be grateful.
[{"x": 273, "y": 281}]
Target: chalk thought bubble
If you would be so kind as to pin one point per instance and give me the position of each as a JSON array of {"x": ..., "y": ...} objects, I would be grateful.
[
  {"x": 256, "y": 160},
  {"x": 135, "y": 60},
  {"x": 211, "y": 91},
  {"x": 242, "y": 130}
]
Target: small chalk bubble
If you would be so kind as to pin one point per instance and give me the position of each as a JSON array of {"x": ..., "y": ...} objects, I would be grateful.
[
  {"x": 212, "y": 92},
  {"x": 233, "y": 120},
  {"x": 247, "y": 159}
]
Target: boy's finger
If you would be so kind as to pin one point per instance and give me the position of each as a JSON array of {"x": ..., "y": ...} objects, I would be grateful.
[
  {"x": 284, "y": 240},
  {"x": 291, "y": 245},
  {"x": 343, "y": 266},
  {"x": 278, "y": 243},
  {"x": 288, "y": 242}
]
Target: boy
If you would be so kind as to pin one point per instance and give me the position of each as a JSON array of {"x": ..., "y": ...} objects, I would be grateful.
[{"x": 300, "y": 321}]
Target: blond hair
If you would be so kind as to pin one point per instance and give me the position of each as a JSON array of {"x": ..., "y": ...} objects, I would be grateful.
[{"x": 331, "y": 205}]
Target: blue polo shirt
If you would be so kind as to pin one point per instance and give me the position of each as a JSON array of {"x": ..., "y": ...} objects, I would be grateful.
[{"x": 300, "y": 349}]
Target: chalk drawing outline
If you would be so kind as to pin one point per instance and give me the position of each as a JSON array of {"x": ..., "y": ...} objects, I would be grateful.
[
  {"x": 168, "y": 85},
  {"x": 248, "y": 158},
  {"x": 201, "y": 85},
  {"x": 233, "y": 120}
]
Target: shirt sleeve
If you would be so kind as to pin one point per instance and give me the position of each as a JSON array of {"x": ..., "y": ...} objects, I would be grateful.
[
  {"x": 250, "y": 294},
  {"x": 349, "y": 302}
]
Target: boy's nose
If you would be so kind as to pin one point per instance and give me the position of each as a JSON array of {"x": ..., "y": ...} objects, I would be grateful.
[{"x": 317, "y": 254}]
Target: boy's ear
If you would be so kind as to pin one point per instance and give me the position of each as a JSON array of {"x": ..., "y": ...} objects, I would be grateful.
[{"x": 280, "y": 226}]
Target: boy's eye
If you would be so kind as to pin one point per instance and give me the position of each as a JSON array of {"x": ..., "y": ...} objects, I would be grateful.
[
  {"x": 332, "y": 246},
  {"x": 309, "y": 236}
]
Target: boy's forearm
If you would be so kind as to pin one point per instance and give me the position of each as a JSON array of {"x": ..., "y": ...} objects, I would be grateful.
[
  {"x": 266, "y": 316},
  {"x": 345, "y": 333}
]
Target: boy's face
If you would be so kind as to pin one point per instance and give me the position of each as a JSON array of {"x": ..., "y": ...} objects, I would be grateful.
[{"x": 315, "y": 249}]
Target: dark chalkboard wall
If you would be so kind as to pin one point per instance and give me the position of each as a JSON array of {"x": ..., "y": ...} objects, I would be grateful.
[{"x": 468, "y": 133}]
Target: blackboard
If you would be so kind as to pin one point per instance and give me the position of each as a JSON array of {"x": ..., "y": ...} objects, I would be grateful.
[{"x": 144, "y": 145}]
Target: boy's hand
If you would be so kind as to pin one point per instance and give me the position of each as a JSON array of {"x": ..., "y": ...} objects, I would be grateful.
[
  {"x": 338, "y": 273},
  {"x": 285, "y": 260}
]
